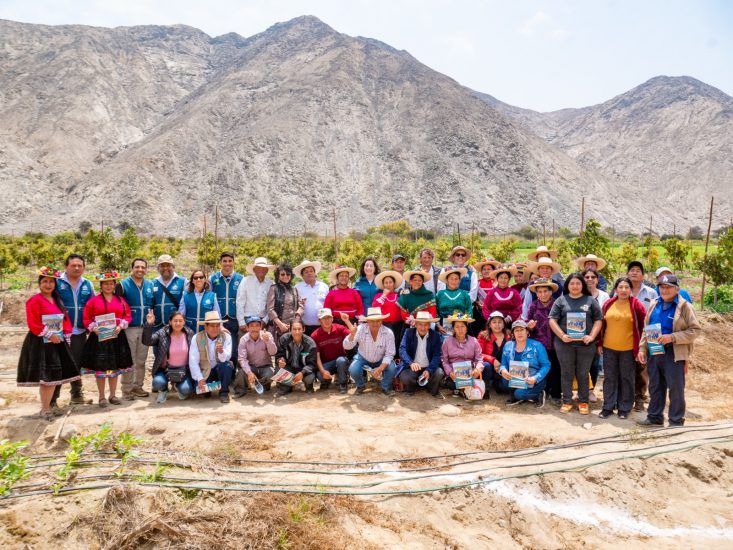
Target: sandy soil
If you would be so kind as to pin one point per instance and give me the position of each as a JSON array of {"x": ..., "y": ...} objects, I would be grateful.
[{"x": 680, "y": 497}]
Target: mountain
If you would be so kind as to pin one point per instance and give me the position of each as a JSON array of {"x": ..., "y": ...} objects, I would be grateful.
[{"x": 670, "y": 137}]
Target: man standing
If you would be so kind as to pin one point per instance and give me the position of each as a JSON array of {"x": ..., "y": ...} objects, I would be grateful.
[
  {"x": 209, "y": 354},
  {"x": 331, "y": 356},
  {"x": 376, "y": 351},
  {"x": 168, "y": 290},
  {"x": 646, "y": 295},
  {"x": 420, "y": 354},
  {"x": 138, "y": 293},
  {"x": 427, "y": 256},
  {"x": 252, "y": 292},
  {"x": 225, "y": 284},
  {"x": 256, "y": 350},
  {"x": 312, "y": 292},
  {"x": 398, "y": 265},
  {"x": 75, "y": 292},
  {"x": 661, "y": 272}
]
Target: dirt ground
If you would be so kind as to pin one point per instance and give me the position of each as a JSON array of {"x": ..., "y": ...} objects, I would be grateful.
[{"x": 531, "y": 478}]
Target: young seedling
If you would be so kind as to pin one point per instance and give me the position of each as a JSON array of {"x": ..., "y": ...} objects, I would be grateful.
[{"x": 13, "y": 465}]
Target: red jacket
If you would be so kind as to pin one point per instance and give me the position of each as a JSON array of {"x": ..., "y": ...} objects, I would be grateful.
[
  {"x": 389, "y": 307},
  {"x": 638, "y": 314},
  {"x": 97, "y": 305},
  {"x": 36, "y": 307},
  {"x": 487, "y": 346},
  {"x": 345, "y": 300}
]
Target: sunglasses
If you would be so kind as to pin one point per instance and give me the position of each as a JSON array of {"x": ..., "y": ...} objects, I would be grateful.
[
  {"x": 459, "y": 254},
  {"x": 198, "y": 277},
  {"x": 285, "y": 275}
]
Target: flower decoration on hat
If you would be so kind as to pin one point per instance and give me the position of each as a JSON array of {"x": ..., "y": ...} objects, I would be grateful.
[{"x": 46, "y": 271}]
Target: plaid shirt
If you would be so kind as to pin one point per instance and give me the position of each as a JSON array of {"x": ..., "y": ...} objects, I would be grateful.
[{"x": 382, "y": 351}]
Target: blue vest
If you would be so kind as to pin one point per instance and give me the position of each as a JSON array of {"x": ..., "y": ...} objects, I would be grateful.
[
  {"x": 162, "y": 305},
  {"x": 196, "y": 311},
  {"x": 140, "y": 299},
  {"x": 75, "y": 303},
  {"x": 466, "y": 280},
  {"x": 226, "y": 293}
]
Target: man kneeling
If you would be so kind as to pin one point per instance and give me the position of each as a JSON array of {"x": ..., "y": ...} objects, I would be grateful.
[
  {"x": 208, "y": 358},
  {"x": 376, "y": 351},
  {"x": 331, "y": 356},
  {"x": 256, "y": 350},
  {"x": 420, "y": 354}
]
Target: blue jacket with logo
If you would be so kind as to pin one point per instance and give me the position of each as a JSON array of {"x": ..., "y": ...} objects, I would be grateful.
[
  {"x": 195, "y": 310},
  {"x": 139, "y": 298},
  {"x": 226, "y": 292},
  {"x": 162, "y": 305},
  {"x": 75, "y": 302}
]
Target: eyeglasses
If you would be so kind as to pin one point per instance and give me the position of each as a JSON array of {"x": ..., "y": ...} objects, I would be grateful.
[
  {"x": 590, "y": 277},
  {"x": 460, "y": 254},
  {"x": 198, "y": 277},
  {"x": 285, "y": 275}
]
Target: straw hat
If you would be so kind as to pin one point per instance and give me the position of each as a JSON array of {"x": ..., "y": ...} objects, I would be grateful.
[
  {"x": 409, "y": 274},
  {"x": 459, "y": 247},
  {"x": 486, "y": 261},
  {"x": 459, "y": 317},
  {"x": 600, "y": 262},
  {"x": 333, "y": 276},
  {"x": 49, "y": 272},
  {"x": 298, "y": 269},
  {"x": 448, "y": 270},
  {"x": 543, "y": 282},
  {"x": 374, "y": 314},
  {"x": 534, "y": 266},
  {"x": 508, "y": 269},
  {"x": 540, "y": 250},
  {"x": 389, "y": 273},
  {"x": 424, "y": 317},
  {"x": 212, "y": 318},
  {"x": 259, "y": 262},
  {"x": 107, "y": 276}
]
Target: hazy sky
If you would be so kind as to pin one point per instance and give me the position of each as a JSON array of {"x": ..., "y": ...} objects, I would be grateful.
[{"x": 542, "y": 55}]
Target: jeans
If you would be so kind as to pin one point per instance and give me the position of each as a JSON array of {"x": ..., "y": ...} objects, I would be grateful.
[
  {"x": 530, "y": 394},
  {"x": 135, "y": 378},
  {"x": 666, "y": 374},
  {"x": 339, "y": 367},
  {"x": 263, "y": 375},
  {"x": 618, "y": 380},
  {"x": 184, "y": 388},
  {"x": 77, "y": 349},
  {"x": 221, "y": 372},
  {"x": 575, "y": 361},
  {"x": 356, "y": 370},
  {"x": 409, "y": 378}
]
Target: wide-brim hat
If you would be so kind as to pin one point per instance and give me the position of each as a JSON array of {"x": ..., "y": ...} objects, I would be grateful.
[
  {"x": 333, "y": 276},
  {"x": 259, "y": 262},
  {"x": 543, "y": 282},
  {"x": 600, "y": 262},
  {"x": 298, "y": 269},
  {"x": 486, "y": 261},
  {"x": 46, "y": 271},
  {"x": 389, "y": 273},
  {"x": 375, "y": 314},
  {"x": 443, "y": 277},
  {"x": 534, "y": 266},
  {"x": 107, "y": 276},
  {"x": 212, "y": 318},
  {"x": 459, "y": 247},
  {"x": 410, "y": 274},
  {"x": 424, "y": 317},
  {"x": 540, "y": 250},
  {"x": 460, "y": 318},
  {"x": 164, "y": 259},
  {"x": 508, "y": 269}
]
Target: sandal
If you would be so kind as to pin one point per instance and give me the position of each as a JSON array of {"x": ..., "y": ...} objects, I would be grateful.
[
  {"x": 103, "y": 403},
  {"x": 114, "y": 400},
  {"x": 566, "y": 407},
  {"x": 583, "y": 408},
  {"x": 46, "y": 415}
]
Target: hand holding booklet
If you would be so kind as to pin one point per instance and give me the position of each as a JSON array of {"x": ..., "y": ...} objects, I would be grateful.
[
  {"x": 653, "y": 332},
  {"x": 54, "y": 323},
  {"x": 463, "y": 369},
  {"x": 519, "y": 370},
  {"x": 283, "y": 376},
  {"x": 106, "y": 325},
  {"x": 576, "y": 327}
]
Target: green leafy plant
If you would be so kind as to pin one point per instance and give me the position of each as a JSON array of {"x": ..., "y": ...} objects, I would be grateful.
[
  {"x": 677, "y": 251},
  {"x": 156, "y": 476},
  {"x": 13, "y": 464},
  {"x": 124, "y": 447}
]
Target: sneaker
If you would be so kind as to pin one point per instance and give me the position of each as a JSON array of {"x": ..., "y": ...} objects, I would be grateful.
[
  {"x": 342, "y": 389},
  {"x": 606, "y": 414},
  {"x": 359, "y": 391},
  {"x": 180, "y": 395},
  {"x": 647, "y": 422},
  {"x": 623, "y": 416},
  {"x": 583, "y": 408},
  {"x": 566, "y": 407},
  {"x": 224, "y": 398},
  {"x": 162, "y": 396},
  {"x": 512, "y": 401},
  {"x": 128, "y": 396},
  {"x": 139, "y": 392},
  {"x": 388, "y": 393},
  {"x": 80, "y": 400},
  {"x": 540, "y": 401},
  {"x": 592, "y": 396}
]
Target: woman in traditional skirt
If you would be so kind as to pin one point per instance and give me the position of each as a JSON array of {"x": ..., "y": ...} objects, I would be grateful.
[
  {"x": 45, "y": 359},
  {"x": 106, "y": 352}
]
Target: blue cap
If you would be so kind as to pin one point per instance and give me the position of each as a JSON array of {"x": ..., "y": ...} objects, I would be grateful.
[{"x": 252, "y": 319}]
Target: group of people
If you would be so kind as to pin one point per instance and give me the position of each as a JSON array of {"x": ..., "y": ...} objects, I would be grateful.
[{"x": 520, "y": 329}]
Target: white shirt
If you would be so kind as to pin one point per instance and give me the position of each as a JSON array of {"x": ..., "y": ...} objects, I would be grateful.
[
  {"x": 602, "y": 297},
  {"x": 646, "y": 295},
  {"x": 194, "y": 359},
  {"x": 252, "y": 298},
  {"x": 315, "y": 296},
  {"x": 421, "y": 354}
]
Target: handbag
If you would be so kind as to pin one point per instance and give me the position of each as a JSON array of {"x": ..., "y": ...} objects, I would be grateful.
[{"x": 176, "y": 374}]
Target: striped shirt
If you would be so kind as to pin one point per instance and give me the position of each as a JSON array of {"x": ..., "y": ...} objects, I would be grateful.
[{"x": 382, "y": 350}]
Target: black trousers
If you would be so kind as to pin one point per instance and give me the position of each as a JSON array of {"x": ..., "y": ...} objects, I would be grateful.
[
  {"x": 409, "y": 378},
  {"x": 77, "y": 349},
  {"x": 619, "y": 370}
]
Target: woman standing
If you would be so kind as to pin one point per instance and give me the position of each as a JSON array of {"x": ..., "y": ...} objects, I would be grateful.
[
  {"x": 197, "y": 301},
  {"x": 283, "y": 301},
  {"x": 386, "y": 300},
  {"x": 492, "y": 341},
  {"x": 45, "y": 358},
  {"x": 452, "y": 299},
  {"x": 171, "y": 362},
  {"x": 106, "y": 352},
  {"x": 461, "y": 347},
  {"x": 538, "y": 323},
  {"x": 623, "y": 323},
  {"x": 502, "y": 297},
  {"x": 575, "y": 318},
  {"x": 417, "y": 297},
  {"x": 592, "y": 277},
  {"x": 366, "y": 285},
  {"x": 342, "y": 299}
]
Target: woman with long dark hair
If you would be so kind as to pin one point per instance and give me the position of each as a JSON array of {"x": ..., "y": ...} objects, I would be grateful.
[
  {"x": 366, "y": 284},
  {"x": 283, "y": 301},
  {"x": 198, "y": 300},
  {"x": 45, "y": 358}
]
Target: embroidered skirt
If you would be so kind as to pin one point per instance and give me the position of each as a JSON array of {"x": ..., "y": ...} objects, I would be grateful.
[
  {"x": 45, "y": 364},
  {"x": 106, "y": 359}
]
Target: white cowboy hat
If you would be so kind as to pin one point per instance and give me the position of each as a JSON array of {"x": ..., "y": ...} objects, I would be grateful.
[
  {"x": 534, "y": 266},
  {"x": 375, "y": 314},
  {"x": 424, "y": 317},
  {"x": 333, "y": 276},
  {"x": 211, "y": 317},
  {"x": 410, "y": 274},
  {"x": 543, "y": 282},
  {"x": 389, "y": 273},
  {"x": 259, "y": 262},
  {"x": 448, "y": 270},
  {"x": 459, "y": 247},
  {"x": 600, "y": 262},
  {"x": 542, "y": 249},
  {"x": 298, "y": 269},
  {"x": 509, "y": 269}
]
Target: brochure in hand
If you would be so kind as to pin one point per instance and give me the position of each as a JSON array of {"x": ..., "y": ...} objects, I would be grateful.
[
  {"x": 519, "y": 370},
  {"x": 653, "y": 332},
  {"x": 209, "y": 387},
  {"x": 106, "y": 325},
  {"x": 283, "y": 376},
  {"x": 576, "y": 325},
  {"x": 463, "y": 374},
  {"x": 54, "y": 324}
]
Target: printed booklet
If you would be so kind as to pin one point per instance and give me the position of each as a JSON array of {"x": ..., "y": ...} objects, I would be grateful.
[{"x": 55, "y": 324}]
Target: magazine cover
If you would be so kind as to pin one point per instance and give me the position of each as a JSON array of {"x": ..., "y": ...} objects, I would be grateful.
[
  {"x": 519, "y": 370},
  {"x": 653, "y": 332},
  {"x": 106, "y": 324},
  {"x": 209, "y": 387},
  {"x": 55, "y": 324},
  {"x": 576, "y": 325},
  {"x": 463, "y": 374},
  {"x": 283, "y": 376}
]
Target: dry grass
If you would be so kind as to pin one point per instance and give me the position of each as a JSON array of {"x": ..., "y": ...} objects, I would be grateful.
[{"x": 515, "y": 442}]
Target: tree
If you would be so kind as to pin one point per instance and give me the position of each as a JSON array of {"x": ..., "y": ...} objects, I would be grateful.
[
  {"x": 592, "y": 241},
  {"x": 718, "y": 265},
  {"x": 503, "y": 250},
  {"x": 527, "y": 232},
  {"x": 677, "y": 251},
  {"x": 695, "y": 233},
  {"x": 84, "y": 227}
]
